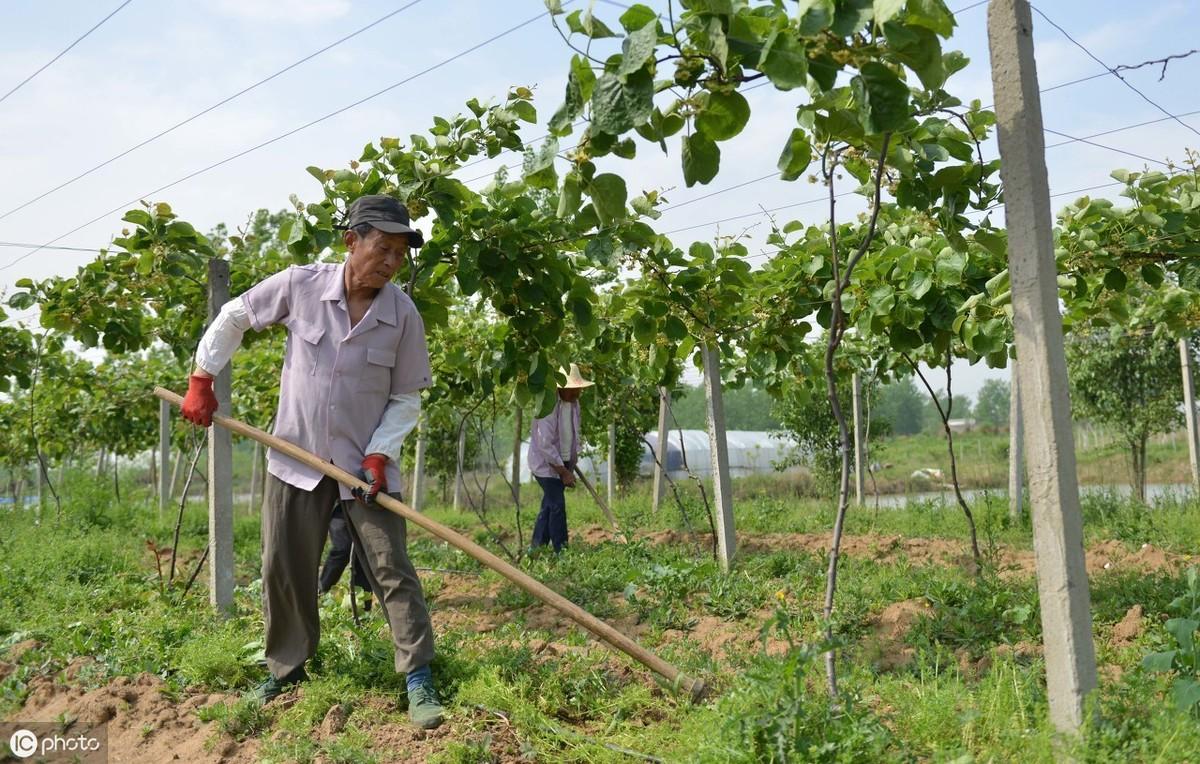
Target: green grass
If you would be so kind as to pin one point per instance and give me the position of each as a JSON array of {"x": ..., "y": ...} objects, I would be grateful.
[{"x": 87, "y": 586}]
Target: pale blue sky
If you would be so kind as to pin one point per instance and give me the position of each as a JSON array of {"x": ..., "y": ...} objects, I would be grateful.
[{"x": 159, "y": 61}]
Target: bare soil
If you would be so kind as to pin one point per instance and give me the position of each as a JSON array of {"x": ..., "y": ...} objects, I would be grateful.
[{"x": 146, "y": 724}]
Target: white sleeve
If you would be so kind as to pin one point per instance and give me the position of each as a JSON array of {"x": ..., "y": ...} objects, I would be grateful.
[
  {"x": 223, "y": 337},
  {"x": 399, "y": 419}
]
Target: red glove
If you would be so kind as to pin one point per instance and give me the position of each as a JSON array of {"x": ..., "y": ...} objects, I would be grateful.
[
  {"x": 199, "y": 403},
  {"x": 374, "y": 471}
]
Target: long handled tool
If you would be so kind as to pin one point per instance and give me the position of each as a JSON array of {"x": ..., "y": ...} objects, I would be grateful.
[
  {"x": 674, "y": 677},
  {"x": 607, "y": 512}
]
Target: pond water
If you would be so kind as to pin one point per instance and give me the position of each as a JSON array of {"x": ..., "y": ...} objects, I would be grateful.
[{"x": 1154, "y": 491}]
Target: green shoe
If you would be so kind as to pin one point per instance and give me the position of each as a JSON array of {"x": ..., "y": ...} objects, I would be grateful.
[
  {"x": 423, "y": 706},
  {"x": 274, "y": 686}
]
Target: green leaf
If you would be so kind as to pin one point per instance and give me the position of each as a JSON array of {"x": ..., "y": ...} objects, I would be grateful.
[
  {"x": 674, "y": 329},
  {"x": 618, "y": 107},
  {"x": 1152, "y": 274},
  {"x": 701, "y": 159},
  {"x": 569, "y": 197},
  {"x": 712, "y": 7},
  {"x": 638, "y": 47},
  {"x": 882, "y": 98},
  {"x": 723, "y": 115},
  {"x": 852, "y": 16},
  {"x": 996, "y": 242},
  {"x": 1184, "y": 631},
  {"x": 797, "y": 154},
  {"x": 919, "y": 284},
  {"x": 581, "y": 309},
  {"x": 920, "y": 50},
  {"x": 950, "y": 265},
  {"x": 554, "y": 6},
  {"x": 141, "y": 217},
  {"x": 145, "y": 263},
  {"x": 1186, "y": 693},
  {"x": 536, "y": 161},
  {"x": 637, "y": 17},
  {"x": 581, "y": 82},
  {"x": 20, "y": 301},
  {"x": 524, "y": 111},
  {"x": 882, "y": 299},
  {"x": 608, "y": 194},
  {"x": 931, "y": 14},
  {"x": 885, "y": 10},
  {"x": 1159, "y": 662},
  {"x": 1115, "y": 280},
  {"x": 582, "y": 22},
  {"x": 786, "y": 61},
  {"x": 815, "y": 16},
  {"x": 718, "y": 45}
]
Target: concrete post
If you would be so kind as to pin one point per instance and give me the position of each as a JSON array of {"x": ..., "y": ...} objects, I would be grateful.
[
  {"x": 660, "y": 458},
  {"x": 459, "y": 480},
  {"x": 612, "y": 463},
  {"x": 516, "y": 457},
  {"x": 164, "y": 455},
  {"x": 1016, "y": 461},
  {"x": 719, "y": 450},
  {"x": 220, "y": 464},
  {"x": 418, "y": 482},
  {"x": 860, "y": 450},
  {"x": 1053, "y": 487},
  {"x": 1189, "y": 411}
]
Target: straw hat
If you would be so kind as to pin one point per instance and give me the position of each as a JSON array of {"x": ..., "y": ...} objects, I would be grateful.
[{"x": 575, "y": 380}]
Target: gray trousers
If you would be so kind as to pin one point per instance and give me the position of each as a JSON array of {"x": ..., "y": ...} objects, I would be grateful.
[{"x": 294, "y": 526}]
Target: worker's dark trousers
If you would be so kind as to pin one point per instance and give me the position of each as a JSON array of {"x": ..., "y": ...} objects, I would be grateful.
[
  {"x": 294, "y": 525},
  {"x": 551, "y": 525},
  {"x": 340, "y": 544}
]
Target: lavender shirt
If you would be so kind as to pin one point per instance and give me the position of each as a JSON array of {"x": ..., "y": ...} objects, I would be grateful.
[
  {"x": 336, "y": 381},
  {"x": 545, "y": 451}
]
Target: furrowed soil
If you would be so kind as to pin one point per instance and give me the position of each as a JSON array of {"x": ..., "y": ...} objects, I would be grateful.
[{"x": 149, "y": 721}]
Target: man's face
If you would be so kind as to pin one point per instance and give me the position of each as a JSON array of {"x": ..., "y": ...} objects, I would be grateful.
[
  {"x": 375, "y": 258},
  {"x": 570, "y": 395}
]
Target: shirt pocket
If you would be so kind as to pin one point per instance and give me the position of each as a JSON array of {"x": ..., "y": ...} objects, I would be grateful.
[
  {"x": 377, "y": 373},
  {"x": 306, "y": 352}
]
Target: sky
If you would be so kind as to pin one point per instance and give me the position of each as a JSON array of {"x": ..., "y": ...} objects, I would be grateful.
[{"x": 155, "y": 63}]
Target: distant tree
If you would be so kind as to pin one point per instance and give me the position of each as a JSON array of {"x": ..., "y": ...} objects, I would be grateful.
[
  {"x": 932, "y": 421},
  {"x": 991, "y": 404},
  {"x": 1129, "y": 382},
  {"x": 746, "y": 408},
  {"x": 808, "y": 420},
  {"x": 901, "y": 405}
]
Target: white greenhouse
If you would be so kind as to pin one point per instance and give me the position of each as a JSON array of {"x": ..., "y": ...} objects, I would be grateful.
[{"x": 750, "y": 453}]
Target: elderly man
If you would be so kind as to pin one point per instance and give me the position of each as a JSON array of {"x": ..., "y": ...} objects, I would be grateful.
[
  {"x": 553, "y": 454},
  {"x": 356, "y": 360}
]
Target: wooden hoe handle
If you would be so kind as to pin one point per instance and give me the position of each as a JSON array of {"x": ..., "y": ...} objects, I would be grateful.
[{"x": 675, "y": 678}]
